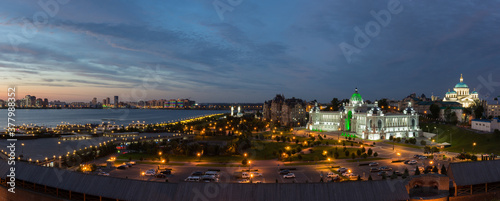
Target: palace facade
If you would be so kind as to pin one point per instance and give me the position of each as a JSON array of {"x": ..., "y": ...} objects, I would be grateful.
[{"x": 367, "y": 121}]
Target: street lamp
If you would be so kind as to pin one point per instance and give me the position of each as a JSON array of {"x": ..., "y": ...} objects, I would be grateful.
[
  {"x": 245, "y": 154},
  {"x": 473, "y": 146},
  {"x": 59, "y": 146},
  {"x": 199, "y": 156},
  {"x": 22, "y": 148}
]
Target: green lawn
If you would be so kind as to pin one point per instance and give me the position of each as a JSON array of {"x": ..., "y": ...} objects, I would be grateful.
[
  {"x": 365, "y": 159},
  {"x": 213, "y": 159},
  {"x": 221, "y": 165},
  {"x": 318, "y": 153},
  {"x": 308, "y": 163},
  {"x": 462, "y": 139},
  {"x": 406, "y": 145}
]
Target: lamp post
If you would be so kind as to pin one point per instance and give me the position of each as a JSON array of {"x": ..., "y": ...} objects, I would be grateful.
[
  {"x": 199, "y": 156},
  {"x": 473, "y": 146},
  {"x": 22, "y": 148},
  {"x": 59, "y": 146}
]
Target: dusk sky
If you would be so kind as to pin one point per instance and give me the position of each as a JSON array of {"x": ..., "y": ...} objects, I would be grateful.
[{"x": 247, "y": 51}]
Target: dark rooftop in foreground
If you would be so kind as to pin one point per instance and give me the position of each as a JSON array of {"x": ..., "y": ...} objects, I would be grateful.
[{"x": 126, "y": 189}]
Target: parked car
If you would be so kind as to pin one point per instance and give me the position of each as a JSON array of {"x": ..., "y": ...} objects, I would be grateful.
[
  {"x": 289, "y": 175},
  {"x": 286, "y": 171},
  {"x": 209, "y": 178},
  {"x": 382, "y": 173},
  {"x": 132, "y": 162},
  {"x": 398, "y": 173},
  {"x": 353, "y": 177},
  {"x": 166, "y": 172},
  {"x": 161, "y": 175},
  {"x": 373, "y": 164},
  {"x": 342, "y": 170},
  {"x": 212, "y": 173},
  {"x": 385, "y": 168},
  {"x": 412, "y": 162},
  {"x": 150, "y": 173},
  {"x": 374, "y": 169},
  {"x": 422, "y": 157},
  {"x": 192, "y": 179},
  {"x": 122, "y": 167},
  {"x": 197, "y": 173},
  {"x": 332, "y": 175},
  {"x": 103, "y": 173}
]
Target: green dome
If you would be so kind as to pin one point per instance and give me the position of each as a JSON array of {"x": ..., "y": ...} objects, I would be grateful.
[
  {"x": 461, "y": 85},
  {"x": 356, "y": 97},
  {"x": 474, "y": 92}
]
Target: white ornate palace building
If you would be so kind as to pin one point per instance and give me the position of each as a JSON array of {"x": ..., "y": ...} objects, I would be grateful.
[
  {"x": 461, "y": 94},
  {"x": 365, "y": 120}
]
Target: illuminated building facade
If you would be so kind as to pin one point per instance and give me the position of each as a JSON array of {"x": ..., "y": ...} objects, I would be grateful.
[
  {"x": 461, "y": 94},
  {"x": 367, "y": 121}
]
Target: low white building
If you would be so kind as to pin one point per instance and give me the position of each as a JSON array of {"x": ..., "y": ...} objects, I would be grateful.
[{"x": 485, "y": 124}]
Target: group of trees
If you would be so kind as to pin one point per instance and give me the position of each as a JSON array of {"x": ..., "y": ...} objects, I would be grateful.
[{"x": 88, "y": 154}]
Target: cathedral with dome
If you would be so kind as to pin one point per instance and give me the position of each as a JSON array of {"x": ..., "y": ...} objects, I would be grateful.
[
  {"x": 367, "y": 121},
  {"x": 461, "y": 94}
]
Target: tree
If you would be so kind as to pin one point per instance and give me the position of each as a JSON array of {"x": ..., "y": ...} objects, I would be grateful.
[
  {"x": 359, "y": 177},
  {"x": 363, "y": 149},
  {"x": 383, "y": 103},
  {"x": 434, "y": 110},
  {"x": 364, "y": 155},
  {"x": 417, "y": 170},
  {"x": 370, "y": 151},
  {"x": 447, "y": 114},
  {"x": 478, "y": 111},
  {"x": 394, "y": 176},
  {"x": 358, "y": 152},
  {"x": 335, "y": 104},
  {"x": 244, "y": 161},
  {"x": 375, "y": 154},
  {"x": 346, "y": 153},
  {"x": 370, "y": 178},
  {"x": 423, "y": 142},
  {"x": 435, "y": 169},
  {"x": 406, "y": 173},
  {"x": 454, "y": 118},
  {"x": 299, "y": 157},
  {"x": 443, "y": 170},
  {"x": 353, "y": 156},
  {"x": 336, "y": 155}
]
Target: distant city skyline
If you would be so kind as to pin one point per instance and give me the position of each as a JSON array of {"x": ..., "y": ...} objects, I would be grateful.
[{"x": 188, "y": 49}]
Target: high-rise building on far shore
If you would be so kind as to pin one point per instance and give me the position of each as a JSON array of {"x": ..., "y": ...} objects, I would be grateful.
[{"x": 116, "y": 102}]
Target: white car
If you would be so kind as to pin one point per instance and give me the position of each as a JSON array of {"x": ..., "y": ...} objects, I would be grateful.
[
  {"x": 332, "y": 175},
  {"x": 192, "y": 178},
  {"x": 289, "y": 175},
  {"x": 347, "y": 174},
  {"x": 103, "y": 173},
  {"x": 373, "y": 164},
  {"x": 342, "y": 170},
  {"x": 412, "y": 162}
]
